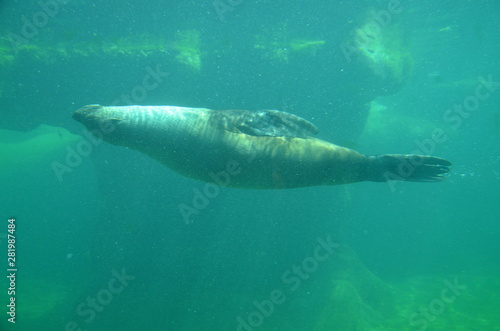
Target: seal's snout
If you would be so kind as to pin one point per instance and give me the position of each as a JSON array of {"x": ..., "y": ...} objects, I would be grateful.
[{"x": 83, "y": 114}]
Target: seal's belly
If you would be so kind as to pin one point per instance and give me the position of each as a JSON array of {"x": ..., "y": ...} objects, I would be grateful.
[{"x": 259, "y": 162}]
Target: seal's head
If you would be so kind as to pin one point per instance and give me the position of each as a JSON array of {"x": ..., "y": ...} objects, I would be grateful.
[
  {"x": 88, "y": 116},
  {"x": 99, "y": 120}
]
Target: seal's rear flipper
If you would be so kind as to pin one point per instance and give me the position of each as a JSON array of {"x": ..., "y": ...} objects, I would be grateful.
[{"x": 412, "y": 167}]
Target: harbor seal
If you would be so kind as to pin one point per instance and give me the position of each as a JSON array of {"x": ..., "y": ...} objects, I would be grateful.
[{"x": 266, "y": 149}]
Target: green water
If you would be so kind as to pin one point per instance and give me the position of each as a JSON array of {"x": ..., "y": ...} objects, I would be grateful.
[{"x": 101, "y": 243}]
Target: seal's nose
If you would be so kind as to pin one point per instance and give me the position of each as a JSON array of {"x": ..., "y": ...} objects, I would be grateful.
[{"x": 83, "y": 113}]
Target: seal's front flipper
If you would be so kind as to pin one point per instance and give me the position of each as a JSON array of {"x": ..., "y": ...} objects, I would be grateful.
[
  {"x": 412, "y": 167},
  {"x": 273, "y": 123}
]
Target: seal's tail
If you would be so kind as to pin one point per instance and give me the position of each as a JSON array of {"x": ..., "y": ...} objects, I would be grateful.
[{"x": 411, "y": 167}]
